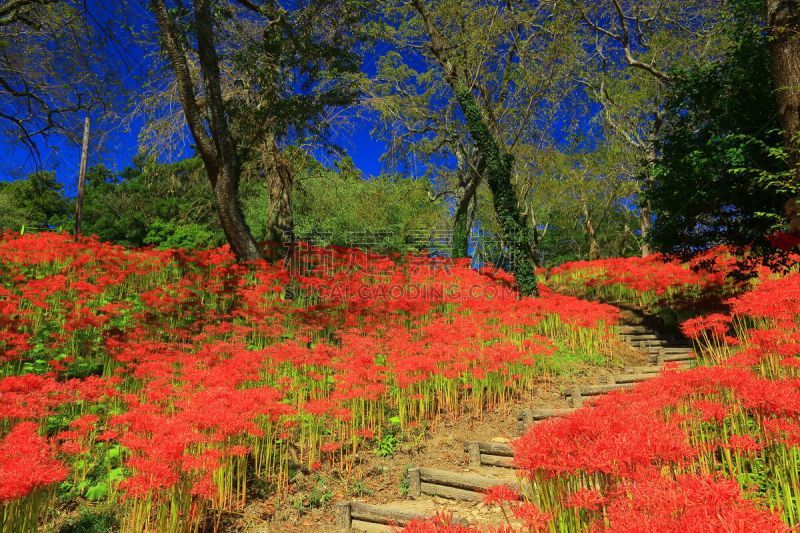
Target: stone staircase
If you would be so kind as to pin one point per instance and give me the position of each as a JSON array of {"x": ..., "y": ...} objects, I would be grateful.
[{"x": 432, "y": 490}]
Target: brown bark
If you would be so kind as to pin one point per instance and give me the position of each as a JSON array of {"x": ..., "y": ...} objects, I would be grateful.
[
  {"x": 498, "y": 163},
  {"x": 82, "y": 177},
  {"x": 591, "y": 234},
  {"x": 280, "y": 181},
  {"x": 783, "y": 18},
  {"x": 218, "y": 151},
  {"x": 644, "y": 225},
  {"x": 469, "y": 180}
]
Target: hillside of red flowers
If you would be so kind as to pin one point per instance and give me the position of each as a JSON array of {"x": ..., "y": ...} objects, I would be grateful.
[
  {"x": 168, "y": 384},
  {"x": 713, "y": 448}
]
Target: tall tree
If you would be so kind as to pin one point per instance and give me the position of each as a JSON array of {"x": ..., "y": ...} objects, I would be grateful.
[
  {"x": 488, "y": 69},
  {"x": 580, "y": 197},
  {"x": 498, "y": 162},
  {"x": 419, "y": 122},
  {"x": 212, "y": 133},
  {"x": 721, "y": 174},
  {"x": 783, "y": 21},
  {"x": 637, "y": 44},
  {"x": 36, "y": 203},
  {"x": 283, "y": 72}
]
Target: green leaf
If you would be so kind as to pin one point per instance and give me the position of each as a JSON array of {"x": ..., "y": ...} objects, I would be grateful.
[
  {"x": 113, "y": 452},
  {"x": 116, "y": 474},
  {"x": 97, "y": 492}
]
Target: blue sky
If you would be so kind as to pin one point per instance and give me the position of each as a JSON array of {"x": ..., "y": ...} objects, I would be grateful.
[
  {"x": 120, "y": 141},
  {"x": 122, "y": 145}
]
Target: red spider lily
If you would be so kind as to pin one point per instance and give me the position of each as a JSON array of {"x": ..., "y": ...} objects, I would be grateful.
[
  {"x": 532, "y": 517},
  {"x": 689, "y": 503},
  {"x": 743, "y": 443},
  {"x": 710, "y": 410},
  {"x": 442, "y": 523},
  {"x": 715, "y": 325},
  {"x": 589, "y": 499},
  {"x": 26, "y": 463},
  {"x": 211, "y": 371},
  {"x": 499, "y": 495}
]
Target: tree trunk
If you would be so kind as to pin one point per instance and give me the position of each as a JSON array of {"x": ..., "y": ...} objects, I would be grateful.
[
  {"x": 498, "y": 175},
  {"x": 498, "y": 164},
  {"x": 783, "y": 18},
  {"x": 462, "y": 222},
  {"x": 227, "y": 187},
  {"x": 645, "y": 224},
  {"x": 645, "y": 210},
  {"x": 226, "y": 193},
  {"x": 591, "y": 234},
  {"x": 82, "y": 178},
  {"x": 460, "y": 247},
  {"x": 218, "y": 151},
  {"x": 280, "y": 223}
]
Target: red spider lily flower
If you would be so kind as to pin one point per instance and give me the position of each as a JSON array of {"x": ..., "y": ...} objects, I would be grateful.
[
  {"x": 26, "y": 463},
  {"x": 783, "y": 241},
  {"x": 743, "y": 443},
  {"x": 715, "y": 325},
  {"x": 589, "y": 499},
  {"x": 710, "y": 410},
  {"x": 366, "y": 433},
  {"x": 532, "y": 517},
  {"x": 441, "y": 523},
  {"x": 330, "y": 447},
  {"x": 499, "y": 495}
]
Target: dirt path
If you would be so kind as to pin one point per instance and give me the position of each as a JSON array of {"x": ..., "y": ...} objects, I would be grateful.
[{"x": 450, "y": 481}]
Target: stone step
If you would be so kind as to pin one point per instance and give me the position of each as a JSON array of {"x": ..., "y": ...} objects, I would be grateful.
[
  {"x": 364, "y": 517},
  {"x": 529, "y": 416},
  {"x": 669, "y": 357},
  {"x": 667, "y": 350},
  {"x": 650, "y": 342},
  {"x": 655, "y": 369},
  {"x": 489, "y": 454},
  {"x": 596, "y": 390},
  {"x": 634, "y": 329},
  {"x": 635, "y": 378},
  {"x": 639, "y": 336},
  {"x": 453, "y": 485},
  {"x": 577, "y": 393},
  {"x": 677, "y": 349}
]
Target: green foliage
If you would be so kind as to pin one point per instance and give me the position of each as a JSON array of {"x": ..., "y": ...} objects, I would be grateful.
[
  {"x": 722, "y": 174},
  {"x": 172, "y": 206},
  {"x": 576, "y": 193},
  {"x": 386, "y": 446},
  {"x": 499, "y": 166},
  {"x": 168, "y": 206},
  {"x": 36, "y": 202},
  {"x": 294, "y": 72},
  {"x": 395, "y": 214},
  {"x": 92, "y": 520}
]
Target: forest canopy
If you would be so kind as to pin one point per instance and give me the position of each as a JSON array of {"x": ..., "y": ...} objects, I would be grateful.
[{"x": 549, "y": 132}]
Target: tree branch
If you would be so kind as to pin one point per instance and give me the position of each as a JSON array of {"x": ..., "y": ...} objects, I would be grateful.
[{"x": 186, "y": 91}]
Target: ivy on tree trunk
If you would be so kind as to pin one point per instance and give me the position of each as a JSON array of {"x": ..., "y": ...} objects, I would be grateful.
[{"x": 499, "y": 166}]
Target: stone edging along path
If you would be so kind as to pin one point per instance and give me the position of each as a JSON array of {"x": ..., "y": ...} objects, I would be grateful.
[{"x": 491, "y": 462}]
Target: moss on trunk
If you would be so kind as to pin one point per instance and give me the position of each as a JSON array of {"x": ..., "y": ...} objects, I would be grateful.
[{"x": 499, "y": 166}]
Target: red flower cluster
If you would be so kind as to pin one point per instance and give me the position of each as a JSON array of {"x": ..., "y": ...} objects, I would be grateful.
[
  {"x": 201, "y": 371},
  {"x": 27, "y": 463},
  {"x": 699, "y": 450}
]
